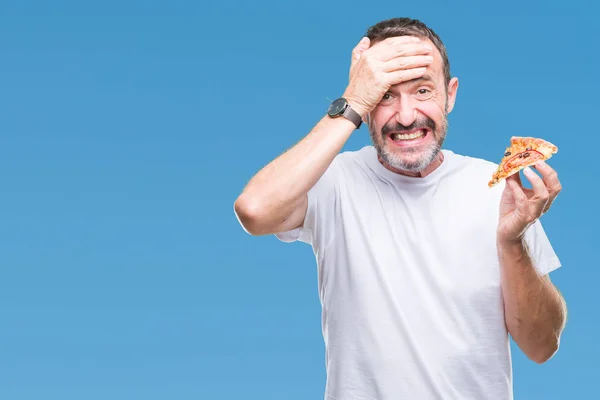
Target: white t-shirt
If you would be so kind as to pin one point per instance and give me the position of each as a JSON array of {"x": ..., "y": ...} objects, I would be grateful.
[{"x": 409, "y": 279}]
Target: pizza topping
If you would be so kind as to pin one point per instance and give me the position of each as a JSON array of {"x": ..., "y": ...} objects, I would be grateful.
[
  {"x": 515, "y": 162},
  {"x": 523, "y": 151}
]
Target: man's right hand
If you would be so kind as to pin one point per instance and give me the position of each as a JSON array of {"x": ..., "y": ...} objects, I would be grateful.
[{"x": 375, "y": 69}]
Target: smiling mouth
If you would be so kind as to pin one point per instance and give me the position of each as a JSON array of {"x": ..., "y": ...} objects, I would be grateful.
[{"x": 416, "y": 134}]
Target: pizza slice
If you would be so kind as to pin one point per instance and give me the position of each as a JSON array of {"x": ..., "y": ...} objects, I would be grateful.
[{"x": 523, "y": 152}]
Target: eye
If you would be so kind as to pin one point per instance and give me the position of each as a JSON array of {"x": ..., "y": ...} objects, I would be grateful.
[
  {"x": 424, "y": 93},
  {"x": 387, "y": 98}
]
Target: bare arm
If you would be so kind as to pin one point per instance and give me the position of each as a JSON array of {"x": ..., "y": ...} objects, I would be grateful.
[
  {"x": 535, "y": 311},
  {"x": 275, "y": 199}
]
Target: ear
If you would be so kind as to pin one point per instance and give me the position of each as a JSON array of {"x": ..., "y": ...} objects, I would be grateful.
[{"x": 452, "y": 89}]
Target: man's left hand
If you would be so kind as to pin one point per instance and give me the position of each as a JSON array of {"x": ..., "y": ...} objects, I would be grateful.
[{"x": 521, "y": 207}]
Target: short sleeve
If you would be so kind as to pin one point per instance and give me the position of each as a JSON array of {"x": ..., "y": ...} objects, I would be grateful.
[
  {"x": 543, "y": 256},
  {"x": 323, "y": 197}
]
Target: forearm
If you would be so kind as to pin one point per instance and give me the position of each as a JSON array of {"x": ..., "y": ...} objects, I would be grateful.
[
  {"x": 275, "y": 191},
  {"x": 535, "y": 311}
]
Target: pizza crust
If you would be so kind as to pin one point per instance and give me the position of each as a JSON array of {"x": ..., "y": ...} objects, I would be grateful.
[{"x": 522, "y": 152}]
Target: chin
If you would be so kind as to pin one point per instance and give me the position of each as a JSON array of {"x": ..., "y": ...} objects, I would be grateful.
[
  {"x": 407, "y": 165},
  {"x": 410, "y": 161}
]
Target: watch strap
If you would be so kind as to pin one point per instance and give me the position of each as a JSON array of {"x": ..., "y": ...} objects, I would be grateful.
[{"x": 352, "y": 115}]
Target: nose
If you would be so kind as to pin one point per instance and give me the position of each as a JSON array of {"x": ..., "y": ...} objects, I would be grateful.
[{"x": 406, "y": 113}]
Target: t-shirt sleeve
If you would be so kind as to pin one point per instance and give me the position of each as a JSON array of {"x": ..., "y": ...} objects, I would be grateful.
[
  {"x": 542, "y": 254},
  {"x": 319, "y": 222}
]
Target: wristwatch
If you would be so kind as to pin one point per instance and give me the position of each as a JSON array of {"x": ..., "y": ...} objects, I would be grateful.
[{"x": 341, "y": 108}]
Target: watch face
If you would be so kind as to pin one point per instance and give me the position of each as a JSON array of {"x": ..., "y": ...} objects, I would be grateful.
[{"x": 337, "y": 107}]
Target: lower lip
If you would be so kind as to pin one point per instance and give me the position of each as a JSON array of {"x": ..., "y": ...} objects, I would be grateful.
[{"x": 409, "y": 142}]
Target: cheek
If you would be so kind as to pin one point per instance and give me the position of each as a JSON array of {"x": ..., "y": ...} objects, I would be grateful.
[
  {"x": 432, "y": 109},
  {"x": 379, "y": 117}
]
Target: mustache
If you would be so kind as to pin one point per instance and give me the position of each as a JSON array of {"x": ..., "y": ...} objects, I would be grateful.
[{"x": 426, "y": 123}]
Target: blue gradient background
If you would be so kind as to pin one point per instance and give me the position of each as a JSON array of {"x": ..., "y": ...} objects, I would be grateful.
[{"x": 128, "y": 129}]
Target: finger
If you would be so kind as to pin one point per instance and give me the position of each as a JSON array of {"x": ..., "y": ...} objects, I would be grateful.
[
  {"x": 357, "y": 52},
  {"x": 407, "y": 63},
  {"x": 406, "y": 49},
  {"x": 399, "y": 46},
  {"x": 550, "y": 178},
  {"x": 518, "y": 193},
  {"x": 517, "y": 177},
  {"x": 400, "y": 40},
  {"x": 540, "y": 192},
  {"x": 404, "y": 75},
  {"x": 359, "y": 49}
]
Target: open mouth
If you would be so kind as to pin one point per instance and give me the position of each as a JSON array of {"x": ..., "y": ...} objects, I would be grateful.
[{"x": 409, "y": 137}]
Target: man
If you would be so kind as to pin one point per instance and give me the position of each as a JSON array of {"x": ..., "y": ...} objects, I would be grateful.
[{"x": 423, "y": 270}]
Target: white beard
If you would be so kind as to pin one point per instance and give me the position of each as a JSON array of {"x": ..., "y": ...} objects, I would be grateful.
[{"x": 395, "y": 159}]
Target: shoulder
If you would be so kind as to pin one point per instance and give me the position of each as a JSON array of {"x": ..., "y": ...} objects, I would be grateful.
[
  {"x": 473, "y": 171},
  {"x": 470, "y": 162},
  {"x": 469, "y": 165},
  {"x": 352, "y": 161},
  {"x": 359, "y": 155},
  {"x": 353, "y": 170},
  {"x": 346, "y": 167}
]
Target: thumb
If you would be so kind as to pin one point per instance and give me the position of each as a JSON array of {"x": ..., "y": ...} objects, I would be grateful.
[
  {"x": 357, "y": 51},
  {"x": 360, "y": 47}
]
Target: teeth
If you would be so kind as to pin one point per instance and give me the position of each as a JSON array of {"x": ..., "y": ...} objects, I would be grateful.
[{"x": 397, "y": 136}]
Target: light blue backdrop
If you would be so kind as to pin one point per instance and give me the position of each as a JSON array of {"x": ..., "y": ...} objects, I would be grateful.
[{"x": 128, "y": 128}]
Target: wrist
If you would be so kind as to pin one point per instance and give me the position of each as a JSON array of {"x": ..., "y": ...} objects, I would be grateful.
[
  {"x": 514, "y": 248},
  {"x": 362, "y": 111},
  {"x": 341, "y": 108},
  {"x": 509, "y": 240},
  {"x": 356, "y": 104}
]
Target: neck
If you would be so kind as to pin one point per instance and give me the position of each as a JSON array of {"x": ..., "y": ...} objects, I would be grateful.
[{"x": 421, "y": 174}]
